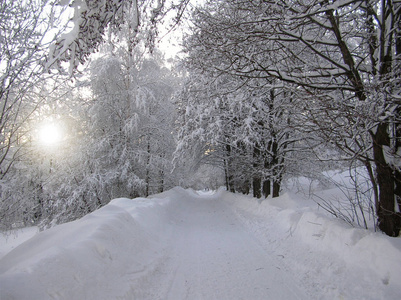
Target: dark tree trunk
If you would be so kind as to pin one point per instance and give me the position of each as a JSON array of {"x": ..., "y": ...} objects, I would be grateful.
[
  {"x": 161, "y": 184},
  {"x": 397, "y": 192},
  {"x": 257, "y": 185},
  {"x": 147, "y": 178},
  {"x": 247, "y": 187},
  {"x": 39, "y": 208},
  {"x": 244, "y": 187},
  {"x": 388, "y": 220},
  {"x": 277, "y": 169},
  {"x": 231, "y": 184},
  {"x": 276, "y": 188},
  {"x": 266, "y": 188},
  {"x": 226, "y": 175},
  {"x": 257, "y": 180},
  {"x": 228, "y": 170},
  {"x": 397, "y": 173}
]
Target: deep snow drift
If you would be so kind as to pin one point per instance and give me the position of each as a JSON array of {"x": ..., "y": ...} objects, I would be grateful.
[{"x": 187, "y": 245}]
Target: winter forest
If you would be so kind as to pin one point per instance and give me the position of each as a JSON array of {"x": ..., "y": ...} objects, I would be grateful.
[{"x": 95, "y": 106}]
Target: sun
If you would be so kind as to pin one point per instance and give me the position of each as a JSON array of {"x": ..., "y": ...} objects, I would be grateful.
[{"x": 50, "y": 134}]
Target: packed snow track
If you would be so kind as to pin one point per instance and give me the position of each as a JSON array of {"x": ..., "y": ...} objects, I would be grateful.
[{"x": 213, "y": 256}]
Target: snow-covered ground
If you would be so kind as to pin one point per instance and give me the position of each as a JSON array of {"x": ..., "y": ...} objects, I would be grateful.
[{"x": 183, "y": 244}]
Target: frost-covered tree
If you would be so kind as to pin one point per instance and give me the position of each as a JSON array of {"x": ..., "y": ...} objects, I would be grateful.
[
  {"x": 120, "y": 133},
  {"x": 89, "y": 23},
  {"x": 341, "y": 58},
  {"x": 157, "y": 124},
  {"x": 116, "y": 142},
  {"x": 132, "y": 111},
  {"x": 249, "y": 121},
  {"x": 26, "y": 30},
  {"x": 132, "y": 128},
  {"x": 24, "y": 37},
  {"x": 246, "y": 127},
  {"x": 91, "y": 19},
  {"x": 30, "y": 187}
]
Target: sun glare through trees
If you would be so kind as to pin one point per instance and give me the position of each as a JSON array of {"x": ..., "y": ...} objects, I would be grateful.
[{"x": 50, "y": 134}]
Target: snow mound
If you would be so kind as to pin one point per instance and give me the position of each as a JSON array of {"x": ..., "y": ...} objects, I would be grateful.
[
  {"x": 326, "y": 253},
  {"x": 94, "y": 251}
]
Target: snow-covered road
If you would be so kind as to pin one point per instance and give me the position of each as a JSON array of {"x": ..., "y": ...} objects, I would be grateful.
[
  {"x": 213, "y": 256},
  {"x": 183, "y": 244}
]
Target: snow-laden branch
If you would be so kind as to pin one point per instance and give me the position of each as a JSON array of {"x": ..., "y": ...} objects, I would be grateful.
[{"x": 90, "y": 20}]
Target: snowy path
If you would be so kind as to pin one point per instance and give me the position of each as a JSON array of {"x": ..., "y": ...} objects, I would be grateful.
[
  {"x": 212, "y": 256},
  {"x": 181, "y": 245}
]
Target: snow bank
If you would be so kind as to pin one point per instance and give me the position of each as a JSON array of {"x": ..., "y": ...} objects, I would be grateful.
[
  {"x": 345, "y": 262},
  {"x": 95, "y": 251}
]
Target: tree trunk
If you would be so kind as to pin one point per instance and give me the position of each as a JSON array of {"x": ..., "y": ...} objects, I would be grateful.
[
  {"x": 257, "y": 185},
  {"x": 244, "y": 187},
  {"x": 161, "y": 184},
  {"x": 388, "y": 220},
  {"x": 277, "y": 169},
  {"x": 227, "y": 170},
  {"x": 257, "y": 180},
  {"x": 397, "y": 125},
  {"x": 372, "y": 206},
  {"x": 397, "y": 193},
  {"x": 147, "y": 177},
  {"x": 226, "y": 176},
  {"x": 247, "y": 187},
  {"x": 276, "y": 188},
  {"x": 397, "y": 174},
  {"x": 266, "y": 188}
]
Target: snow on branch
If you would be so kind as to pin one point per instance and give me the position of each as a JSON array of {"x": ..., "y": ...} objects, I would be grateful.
[{"x": 90, "y": 20}]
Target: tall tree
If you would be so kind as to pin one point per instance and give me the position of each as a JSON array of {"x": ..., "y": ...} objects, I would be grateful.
[
  {"x": 341, "y": 57},
  {"x": 26, "y": 30},
  {"x": 25, "y": 34},
  {"x": 258, "y": 114}
]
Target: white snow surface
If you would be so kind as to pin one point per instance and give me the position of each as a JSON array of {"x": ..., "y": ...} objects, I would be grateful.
[{"x": 183, "y": 244}]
